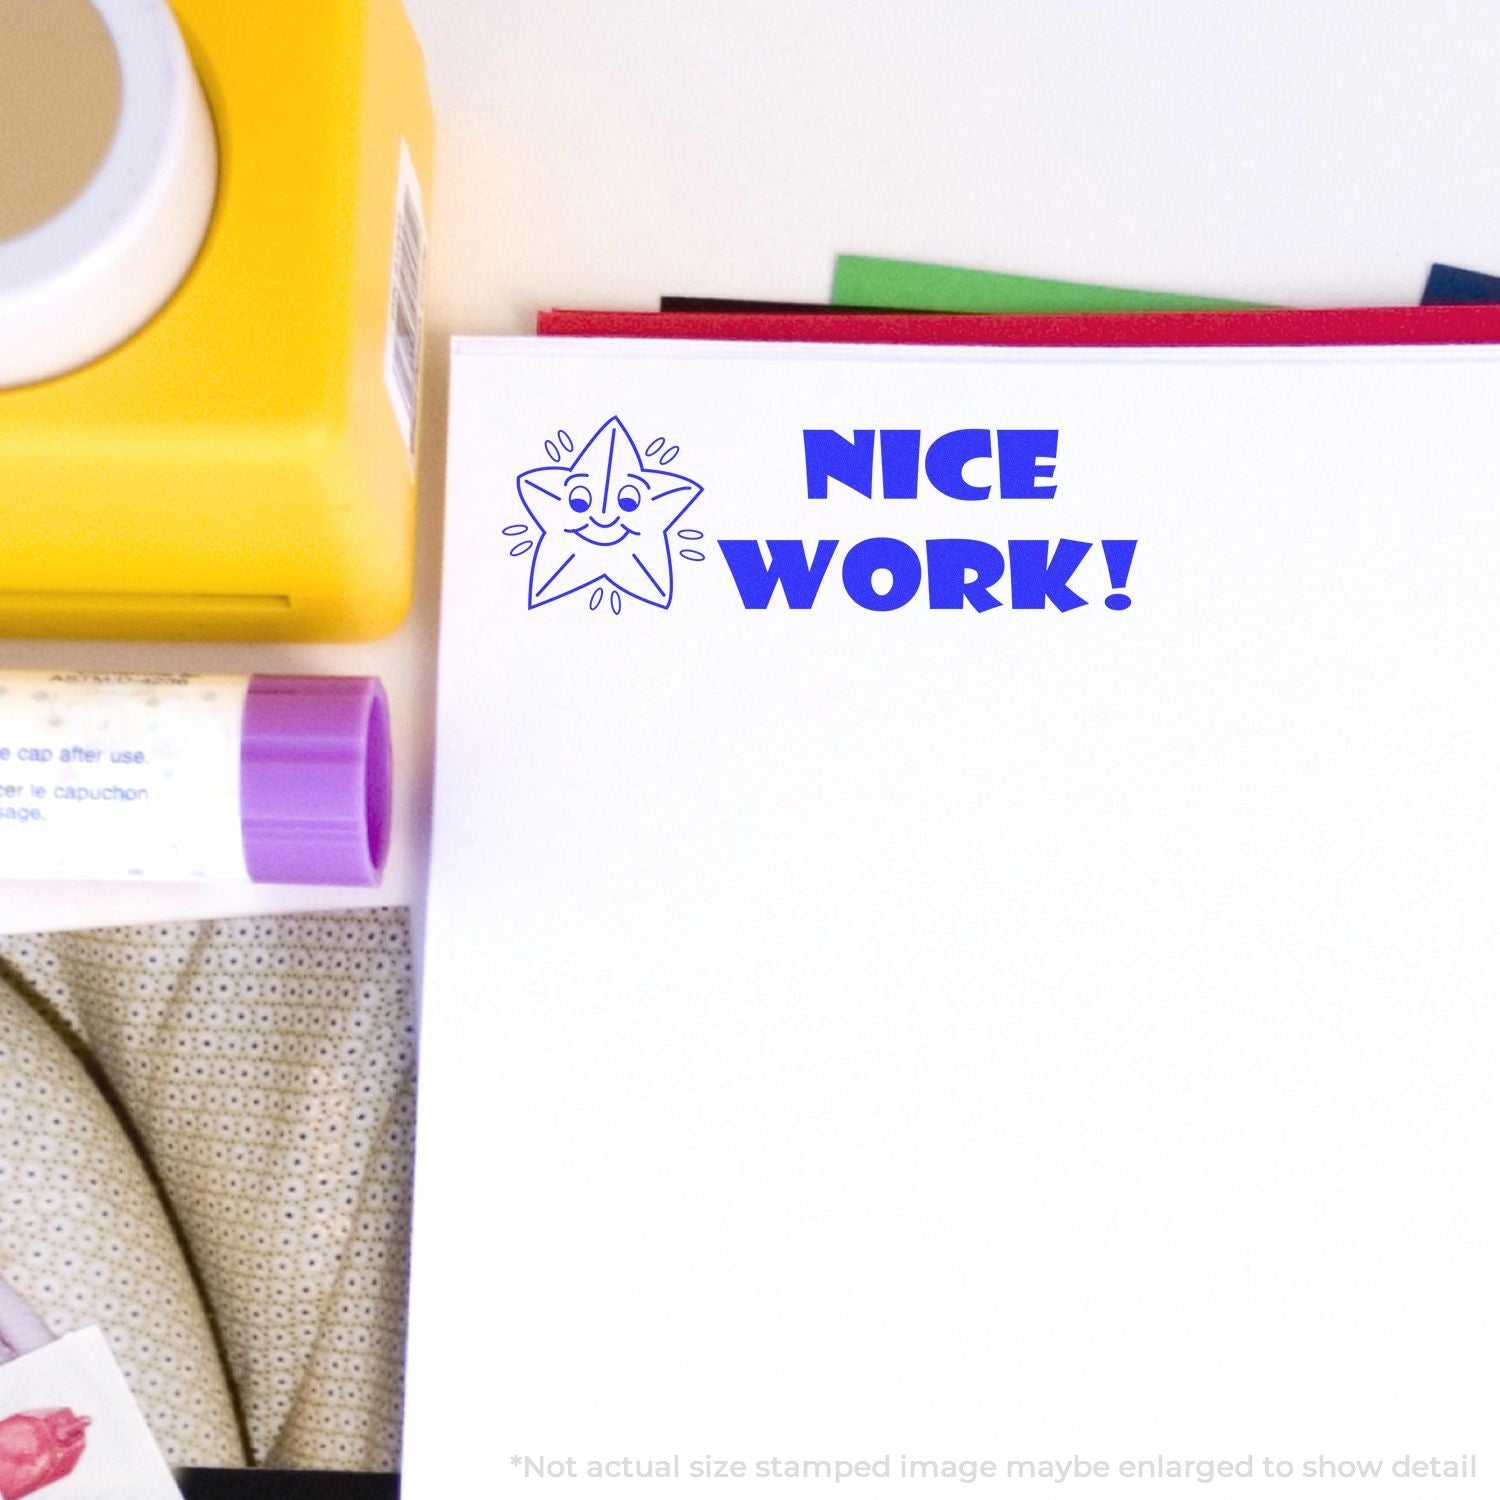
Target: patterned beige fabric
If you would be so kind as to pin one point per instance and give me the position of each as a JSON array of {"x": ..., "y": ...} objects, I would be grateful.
[
  {"x": 85, "y": 1239},
  {"x": 265, "y": 1068}
]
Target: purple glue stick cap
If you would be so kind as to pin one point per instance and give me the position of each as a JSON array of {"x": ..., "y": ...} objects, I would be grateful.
[{"x": 315, "y": 780}]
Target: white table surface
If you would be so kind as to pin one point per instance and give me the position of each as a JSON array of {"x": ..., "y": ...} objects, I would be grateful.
[{"x": 599, "y": 153}]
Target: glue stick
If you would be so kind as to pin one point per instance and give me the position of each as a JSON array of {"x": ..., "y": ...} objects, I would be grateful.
[{"x": 136, "y": 776}]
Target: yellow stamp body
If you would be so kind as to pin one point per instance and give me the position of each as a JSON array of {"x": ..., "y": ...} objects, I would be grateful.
[{"x": 240, "y": 465}]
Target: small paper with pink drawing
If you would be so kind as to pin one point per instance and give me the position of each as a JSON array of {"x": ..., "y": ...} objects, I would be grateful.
[{"x": 71, "y": 1430}]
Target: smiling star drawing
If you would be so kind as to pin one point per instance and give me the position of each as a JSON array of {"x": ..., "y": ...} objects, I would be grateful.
[{"x": 605, "y": 519}]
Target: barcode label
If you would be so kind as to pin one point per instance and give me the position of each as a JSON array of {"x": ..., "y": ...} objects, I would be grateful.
[{"x": 403, "y": 340}]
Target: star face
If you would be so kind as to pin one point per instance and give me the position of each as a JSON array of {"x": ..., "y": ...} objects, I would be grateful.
[{"x": 605, "y": 519}]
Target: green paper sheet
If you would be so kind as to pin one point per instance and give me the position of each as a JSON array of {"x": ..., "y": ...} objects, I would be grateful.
[{"x": 868, "y": 281}]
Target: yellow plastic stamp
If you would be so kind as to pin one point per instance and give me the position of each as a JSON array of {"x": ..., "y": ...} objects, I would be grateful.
[{"x": 213, "y": 223}]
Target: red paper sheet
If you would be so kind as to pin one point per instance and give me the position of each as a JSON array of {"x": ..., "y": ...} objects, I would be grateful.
[{"x": 1278, "y": 327}]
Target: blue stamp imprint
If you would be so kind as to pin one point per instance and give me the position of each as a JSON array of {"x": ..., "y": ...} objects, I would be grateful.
[{"x": 605, "y": 520}]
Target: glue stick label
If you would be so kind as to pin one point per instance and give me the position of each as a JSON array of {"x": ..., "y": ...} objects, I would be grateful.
[{"x": 120, "y": 776}]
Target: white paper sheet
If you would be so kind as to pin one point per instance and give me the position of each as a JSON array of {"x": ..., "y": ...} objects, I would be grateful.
[
  {"x": 70, "y": 1427},
  {"x": 941, "y": 1038}
]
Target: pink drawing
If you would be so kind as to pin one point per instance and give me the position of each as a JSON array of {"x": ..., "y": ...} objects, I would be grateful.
[{"x": 37, "y": 1448}]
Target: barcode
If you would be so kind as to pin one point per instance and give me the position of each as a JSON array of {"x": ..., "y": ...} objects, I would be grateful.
[{"x": 403, "y": 352}]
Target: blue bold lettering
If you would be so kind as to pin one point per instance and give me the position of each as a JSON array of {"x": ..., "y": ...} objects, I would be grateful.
[
  {"x": 948, "y": 455},
  {"x": 900, "y": 458},
  {"x": 1037, "y": 580},
  {"x": 756, "y": 578},
  {"x": 951, "y": 561},
  {"x": 882, "y": 554},
  {"x": 830, "y": 455},
  {"x": 1118, "y": 557},
  {"x": 1020, "y": 453}
]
